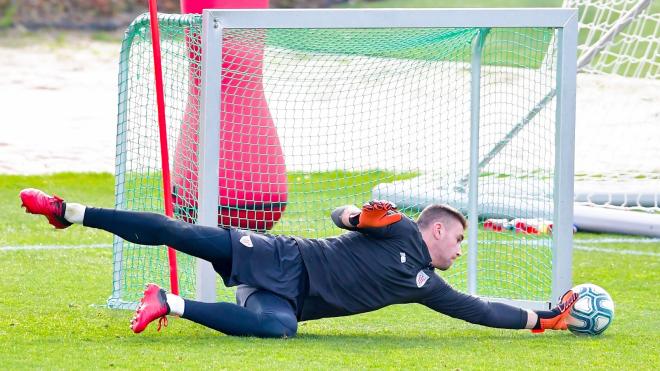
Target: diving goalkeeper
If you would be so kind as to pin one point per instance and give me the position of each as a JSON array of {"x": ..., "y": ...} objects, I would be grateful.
[{"x": 386, "y": 258}]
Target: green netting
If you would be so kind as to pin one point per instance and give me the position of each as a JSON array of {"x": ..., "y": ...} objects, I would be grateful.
[
  {"x": 313, "y": 119},
  {"x": 139, "y": 172},
  {"x": 427, "y": 44},
  {"x": 626, "y": 36},
  {"x": 618, "y": 38}
]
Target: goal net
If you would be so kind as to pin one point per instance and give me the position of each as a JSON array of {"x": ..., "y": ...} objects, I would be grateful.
[
  {"x": 618, "y": 105},
  {"x": 312, "y": 117}
]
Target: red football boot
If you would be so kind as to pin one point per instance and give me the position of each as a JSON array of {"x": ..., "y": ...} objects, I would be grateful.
[
  {"x": 37, "y": 202},
  {"x": 153, "y": 305}
]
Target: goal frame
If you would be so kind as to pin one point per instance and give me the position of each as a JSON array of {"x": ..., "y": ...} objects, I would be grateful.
[{"x": 215, "y": 21}]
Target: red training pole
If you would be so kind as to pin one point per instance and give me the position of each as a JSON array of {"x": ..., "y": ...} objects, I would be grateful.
[{"x": 160, "y": 99}]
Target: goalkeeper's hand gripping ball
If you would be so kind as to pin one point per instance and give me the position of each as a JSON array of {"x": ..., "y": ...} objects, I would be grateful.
[{"x": 555, "y": 319}]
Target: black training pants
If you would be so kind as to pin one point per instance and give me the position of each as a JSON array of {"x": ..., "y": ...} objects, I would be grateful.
[{"x": 265, "y": 314}]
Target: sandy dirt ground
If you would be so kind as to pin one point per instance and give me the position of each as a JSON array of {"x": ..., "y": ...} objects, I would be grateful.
[
  {"x": 59, "y": 112},
  {"x": 59, "y": 107}
]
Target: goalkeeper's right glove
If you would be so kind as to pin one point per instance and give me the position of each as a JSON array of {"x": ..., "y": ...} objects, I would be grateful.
[
  {"x": 375, "y": 214},
  {"x": 555, "y": 319}
]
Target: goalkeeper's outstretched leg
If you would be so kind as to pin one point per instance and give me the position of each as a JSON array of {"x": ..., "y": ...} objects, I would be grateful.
[
  {"x": 209, "y": 243},
  {"x": 262, "y": 313}
]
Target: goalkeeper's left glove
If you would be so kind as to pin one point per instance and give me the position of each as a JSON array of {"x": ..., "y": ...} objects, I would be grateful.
[
  {"x": 555, "y": 318},
  {"x": 376, "y": 214}
]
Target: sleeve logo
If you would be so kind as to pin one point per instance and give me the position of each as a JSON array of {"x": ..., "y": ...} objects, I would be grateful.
[
  {"x": 246, "y": 241},
  {"x": 421, "y": 278}
]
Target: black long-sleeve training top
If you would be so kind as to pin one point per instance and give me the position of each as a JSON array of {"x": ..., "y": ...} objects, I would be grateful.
[{"x": 364, "y": 270}]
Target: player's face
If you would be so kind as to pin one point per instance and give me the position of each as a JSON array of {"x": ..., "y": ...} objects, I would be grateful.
[{"x": 449, "y": 244}]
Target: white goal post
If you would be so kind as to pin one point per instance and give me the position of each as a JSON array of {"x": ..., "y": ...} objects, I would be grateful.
[{"x": 557, "y": 201}]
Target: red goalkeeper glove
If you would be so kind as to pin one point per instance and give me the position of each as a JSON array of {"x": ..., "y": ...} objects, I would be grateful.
[
  {"x": 375, "y": 214},
  {"x": 555, "y": 318}
]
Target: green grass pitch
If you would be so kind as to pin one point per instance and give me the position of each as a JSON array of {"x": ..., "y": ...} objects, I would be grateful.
[{"x": 52, "y": 314}]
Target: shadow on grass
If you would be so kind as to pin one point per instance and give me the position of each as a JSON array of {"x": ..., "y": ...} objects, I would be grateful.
[{"x": 449, "y": 338}]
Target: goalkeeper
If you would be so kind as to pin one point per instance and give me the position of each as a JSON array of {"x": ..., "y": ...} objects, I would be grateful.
[{"x": 385, "y": 259}]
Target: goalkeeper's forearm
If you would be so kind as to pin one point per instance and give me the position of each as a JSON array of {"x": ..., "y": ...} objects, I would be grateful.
[
  {"x": 537, "y": 321},
  {"x": 475, "y": 310},
  {"x": 341, "y": 216},
  {"x": 503, "y": 314}
]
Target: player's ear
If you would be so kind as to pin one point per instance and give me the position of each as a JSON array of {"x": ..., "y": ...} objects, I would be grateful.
[{"x": 438, "y": 229}]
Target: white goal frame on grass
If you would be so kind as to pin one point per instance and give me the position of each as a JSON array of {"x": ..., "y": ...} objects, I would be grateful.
[{"x": 215, "y": 21}]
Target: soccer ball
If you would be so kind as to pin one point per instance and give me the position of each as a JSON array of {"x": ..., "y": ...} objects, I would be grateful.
[{"x": 593, "y": 312}]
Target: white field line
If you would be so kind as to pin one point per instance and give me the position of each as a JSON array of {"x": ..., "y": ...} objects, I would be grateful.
[
  {"x": 618, "y": 240},
  {"x": 615, "y": 251},
  {"x": 588, "y": 245},
  {"x": 55, "y": 247}
]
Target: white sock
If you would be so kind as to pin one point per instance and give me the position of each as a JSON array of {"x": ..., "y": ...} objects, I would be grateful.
[
  {"x": 532, "y": 317},
  {"x": 176, "y": 304},
  {"x": 74, "y": 213}
]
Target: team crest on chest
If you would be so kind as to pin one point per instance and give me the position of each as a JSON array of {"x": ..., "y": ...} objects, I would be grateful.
[
  {"x": 421, "y": 278},
  {"x": 246, "y": 241},
  {"x": 403, "y": 257}
]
